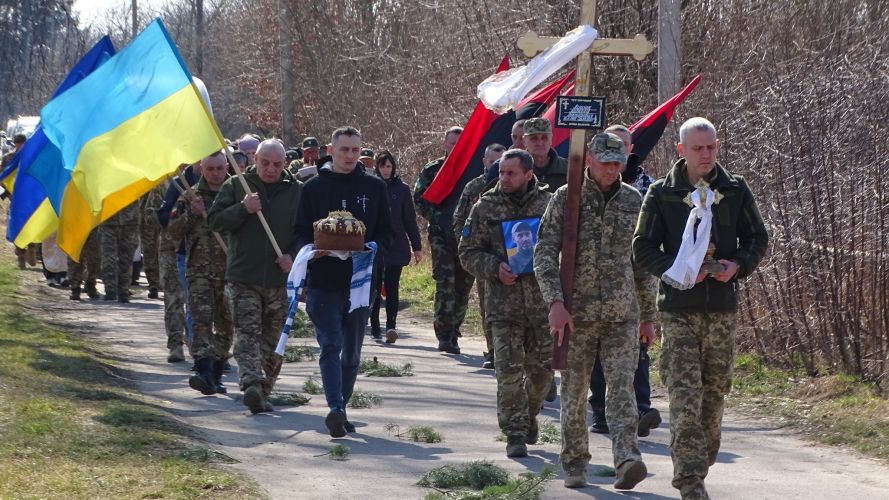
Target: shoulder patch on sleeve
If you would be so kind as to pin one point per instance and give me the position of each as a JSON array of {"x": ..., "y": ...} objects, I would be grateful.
[{"x": 466, "y": 227}]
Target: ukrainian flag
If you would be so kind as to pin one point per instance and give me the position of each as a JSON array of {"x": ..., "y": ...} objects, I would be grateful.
[
  {"x": 125, "y": 128},
  {"x": 41, "y": 177}
]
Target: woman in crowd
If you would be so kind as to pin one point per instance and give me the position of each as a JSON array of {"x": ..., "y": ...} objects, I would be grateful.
[{"x": 404, "y": 219}]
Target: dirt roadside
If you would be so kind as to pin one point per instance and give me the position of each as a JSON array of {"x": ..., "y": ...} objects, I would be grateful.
[{"x": 451, "y": 394}]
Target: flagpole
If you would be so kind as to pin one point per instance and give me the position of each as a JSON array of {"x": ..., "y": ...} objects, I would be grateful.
[
  {"x": 194, "y": 195},
  {"x": 268, "y": 230}
]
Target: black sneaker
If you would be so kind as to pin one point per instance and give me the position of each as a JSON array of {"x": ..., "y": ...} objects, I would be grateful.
[
  {"x": 489, "y": 361},
  {"x": 152, "y": 293},
  {"x": 350, "y": 427},
  {"x": 336, "y": 423},
  {"x": 376, "y": 334},
  {"x": 648, "y": 419},
  {"x": 600, "y": 425}
]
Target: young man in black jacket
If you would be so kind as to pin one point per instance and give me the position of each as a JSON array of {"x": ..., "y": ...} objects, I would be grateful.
[{"x": 341, "y": 184}]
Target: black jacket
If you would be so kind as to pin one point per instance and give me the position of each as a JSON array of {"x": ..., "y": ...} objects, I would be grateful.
[
  {"x": 366, "y": 197},
  {"x": 404, "y": 222},
  {"x": 173, "y": 193}
]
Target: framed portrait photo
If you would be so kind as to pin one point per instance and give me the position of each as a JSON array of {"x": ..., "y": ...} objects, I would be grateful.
[{"x": 520, "y": 239}]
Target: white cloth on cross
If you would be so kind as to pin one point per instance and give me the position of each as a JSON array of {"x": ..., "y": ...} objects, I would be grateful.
[
  {"x": 505, "y": 90},
  {"x": 693, "y": 249},
  {"x": 359, "y": 288}
]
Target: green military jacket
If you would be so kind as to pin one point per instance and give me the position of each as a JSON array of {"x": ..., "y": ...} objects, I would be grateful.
[
  {"x": 470, "y": 195},
  {"x": 427, "y": 210},
  {"x": 738, "y": 233},
  {"x": 205, "y": 258},
  {"x": 482, "y": 250},
  {"x": 251, "y": 256},
  {"x": 608, "y": 286},
  {"x": 554, "y": 173}
]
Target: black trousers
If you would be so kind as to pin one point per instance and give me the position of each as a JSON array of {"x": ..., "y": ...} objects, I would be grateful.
[
  {"x": 641, "y": 383},
  {"x": 389, "y": 276}
]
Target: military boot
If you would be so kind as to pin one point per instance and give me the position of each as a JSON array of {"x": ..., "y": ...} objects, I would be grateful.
[
  {"x": 202, "y": 380},
  {"x": 254, "y": 399},
  {"x": 455, "y": 347},
  {"x": 75, "y": 293},
  {"x": 176, "y": 355},
  {"x": 515, "y": 447},
  {"x": 693, "y": 489},
  {"x": 533, "y": 432},
  {"x": 575, "y": 477},
  {"x": 218, "y": 366},
  {"x": 110, "y": 296},
  {"x": 489, "y": 360},
  {"x": 648, "y": 419},
  {"x": 152, "y": 293},
  {"x": 124, "y": 297},
  {"x": 629, "y": 474},
  {"x": 91, "y": 291}
]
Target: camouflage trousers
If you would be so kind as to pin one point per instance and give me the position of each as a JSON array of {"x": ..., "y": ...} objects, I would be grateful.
[
  {"x": 259, "y": 313},
  {"x": 149, "y": 237},
  {"x": 174, "y": 298},
  {"x": 119, "y": 245},
  {"x": 87, "y": 270},
  {"x": 617, "y": 345},
  {"x": 209, "y": 308},
  {"x": 452, "y": 287},
  {"x": 523, "y": 361},
  {"x": 697, "y": 357},
  {"x": 486, "y": 327}
]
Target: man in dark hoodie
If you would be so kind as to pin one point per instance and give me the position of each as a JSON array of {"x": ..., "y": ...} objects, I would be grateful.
[
  {"x": 341, "y": 184},
  {"x": 256, "y": 277}
]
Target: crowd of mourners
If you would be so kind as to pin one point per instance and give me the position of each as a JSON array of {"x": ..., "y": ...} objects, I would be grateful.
[{"x": 218, "y": 242}]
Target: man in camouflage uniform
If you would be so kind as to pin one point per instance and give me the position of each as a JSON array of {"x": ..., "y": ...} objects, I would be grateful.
[
  {"x": 611, "y": 296},
  {"x": 516, "y": 310},
  {"x": 174, "y": 295},
  {"x": 311, "y": 150},
  {"x": 119, "y": 236},
  {"x": 150, "y": 237},
  {"x": 256, "y": 278},
  {"x": 205, "y": 276},
  {"x": 699, "y": 319},
  {"x": 90, "y": 264},
  {"x": 470, "y": 195},
  {"x": 452, "y": 282}
]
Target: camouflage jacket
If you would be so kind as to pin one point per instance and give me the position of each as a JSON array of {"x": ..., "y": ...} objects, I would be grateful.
[
  {"x": 608, "y": 286},
  {"x": 482, "y": 250},
  {"x": 427, "y": 210},
  {"x": 129, "y": 215},
  {"x": 150, "y": 202},
  {"x": 471, "y": 193},
  {"x": 205, "y": 258}
]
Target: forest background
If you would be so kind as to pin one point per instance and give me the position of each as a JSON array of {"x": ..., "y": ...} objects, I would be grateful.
[{"x": 797, "y": 89}]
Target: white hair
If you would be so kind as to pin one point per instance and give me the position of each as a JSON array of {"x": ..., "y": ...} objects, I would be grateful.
[
  {"x": 270, "y": 143},
  {"x": 696, "y": 123}
]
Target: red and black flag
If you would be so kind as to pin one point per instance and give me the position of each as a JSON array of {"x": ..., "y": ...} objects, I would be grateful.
[{"x": 483, "y": 129}]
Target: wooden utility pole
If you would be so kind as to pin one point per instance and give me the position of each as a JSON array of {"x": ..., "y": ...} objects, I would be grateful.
[
  {"x": 135, "y": 19},
  {"x": 285, "y": 40},
  {"x": 669, "y": 56},
  {"x": 199, "y": 37},
  {"x": 531, "y": 44}
]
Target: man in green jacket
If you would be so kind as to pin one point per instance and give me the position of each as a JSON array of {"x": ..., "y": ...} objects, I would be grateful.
[
  {"x": 256, "y": 277},
  {"x": 550, "y": 168},
  {"x": 698, "y": 310}
]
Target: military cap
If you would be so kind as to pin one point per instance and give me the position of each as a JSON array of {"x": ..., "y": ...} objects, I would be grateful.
[
  {"x": 293, "y": 154},
  {"x": 310, "y": 142},
  {"x": 522, "y": 226},
  {"x": 608, "y": 147},
  {"x": 367, "y": 153},
  {"x": 537, "y": 126}
]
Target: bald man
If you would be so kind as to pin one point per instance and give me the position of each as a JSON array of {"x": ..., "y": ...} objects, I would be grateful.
[{"x": 256, "y": 277}]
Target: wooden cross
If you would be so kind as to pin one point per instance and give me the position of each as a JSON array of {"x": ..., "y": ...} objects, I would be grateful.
[{"x": 531, "y": 44}]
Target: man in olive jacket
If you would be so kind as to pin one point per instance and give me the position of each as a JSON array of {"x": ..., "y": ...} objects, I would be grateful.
[
  {"x": 698, "y": 311},
  {"x": 256, "y": 277},
  {"x": 515, "y": 309}
]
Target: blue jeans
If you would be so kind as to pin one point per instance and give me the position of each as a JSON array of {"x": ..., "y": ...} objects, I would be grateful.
[
  {"x": 340, "y": 334},
  {"x": 180, "y": 262}
]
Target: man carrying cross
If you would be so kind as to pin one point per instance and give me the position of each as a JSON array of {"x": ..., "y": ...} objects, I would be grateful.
[{"x": 612, "y": 297}]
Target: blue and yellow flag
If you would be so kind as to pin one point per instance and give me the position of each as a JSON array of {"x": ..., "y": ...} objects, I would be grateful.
[
  {"x": 125, "y": 128},
  {"x": 41, "y": 177}
]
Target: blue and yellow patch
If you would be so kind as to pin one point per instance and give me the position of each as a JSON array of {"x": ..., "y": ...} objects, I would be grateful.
[{"x": 466, "y": 227}]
